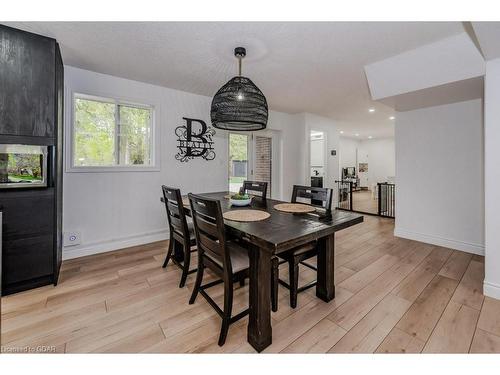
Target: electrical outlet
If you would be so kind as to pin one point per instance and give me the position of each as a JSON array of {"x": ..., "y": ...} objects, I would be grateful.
[{"x": 72, "y": 238}]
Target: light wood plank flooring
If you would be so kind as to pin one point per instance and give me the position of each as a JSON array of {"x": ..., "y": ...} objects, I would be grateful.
[
  {"x": 393, "y": 296},
  {"x": 363, "y": 201}
]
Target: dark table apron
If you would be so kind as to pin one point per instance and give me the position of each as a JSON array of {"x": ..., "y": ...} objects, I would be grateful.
[{"x": 281, "y": 232}]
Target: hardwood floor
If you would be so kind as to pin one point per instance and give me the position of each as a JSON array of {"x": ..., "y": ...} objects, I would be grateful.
[
  {"x": 363, "y": 201},
  {"x": 393, "y": 296}
]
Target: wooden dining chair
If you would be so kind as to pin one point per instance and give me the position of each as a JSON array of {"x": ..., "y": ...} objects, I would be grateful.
[
  {"x": 181, "y": 231},
  {"x": 257, "y": 188},
  {"x": 320, "y": 198},
  {"x": 227, "y": 259}
]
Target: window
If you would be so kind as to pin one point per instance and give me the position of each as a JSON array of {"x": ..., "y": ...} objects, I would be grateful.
[{"x": 110, "y": 133}]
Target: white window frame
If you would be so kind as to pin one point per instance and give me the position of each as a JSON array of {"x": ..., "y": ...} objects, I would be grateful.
[{"x": 71, "y": 167}]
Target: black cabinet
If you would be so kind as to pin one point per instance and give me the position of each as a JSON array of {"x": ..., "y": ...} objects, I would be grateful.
[
  {"x": 27, "y": 71},
  {"x": 31, "y": 112},
  {"x": 34, "y": 253},
  {"x": 27, "y": 212}
]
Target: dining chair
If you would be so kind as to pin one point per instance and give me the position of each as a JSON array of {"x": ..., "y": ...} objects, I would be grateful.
[
  {"x": 226, "y": 258},
  {"x": 181, "y": 231},
  {"x": 257, "y": 188},
  {"x": 320, "y": 198}
]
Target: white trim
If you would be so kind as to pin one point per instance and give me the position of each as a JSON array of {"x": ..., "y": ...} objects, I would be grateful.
[
  {"x": 114, "y": 244},
  {"x": 440, "y": 241},
  {"x": 491, "y": 290}
]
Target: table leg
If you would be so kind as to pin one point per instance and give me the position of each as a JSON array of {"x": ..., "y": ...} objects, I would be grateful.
[
  {"x": 325, "y": 288},
  {"x": 259, "y": 324},
  {"x": 178, "y": 251}
]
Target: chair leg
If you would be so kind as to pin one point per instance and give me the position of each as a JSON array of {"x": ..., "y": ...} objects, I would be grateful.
[
  {"x": 228, "y": 306},
  {"x": 199, "y": 278},
  {"x": 293, "y": 272},
  {"x": 274, "y": 284},
  {"x": 186, "y": 265},
  {"x": 169, "y": 251}
]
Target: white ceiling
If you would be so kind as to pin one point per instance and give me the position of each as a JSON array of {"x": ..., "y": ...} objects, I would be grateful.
[
  {"x": 488, "y": 35},
  {"x": 300, "y": 66}
]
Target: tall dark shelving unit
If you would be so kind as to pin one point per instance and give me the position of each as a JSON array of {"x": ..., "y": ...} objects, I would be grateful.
[{"x": 31, "y": 113}]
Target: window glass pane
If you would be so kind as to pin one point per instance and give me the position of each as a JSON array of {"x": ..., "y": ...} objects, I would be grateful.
[
  {"x": 135, "y": 135},
  {"x": 238, "y": 161},
  {"x": 94, "y": 132}
]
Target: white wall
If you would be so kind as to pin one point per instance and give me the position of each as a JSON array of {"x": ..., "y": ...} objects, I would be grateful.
[
  {"x": 378, "y": 153},
  {"x": 113, "y": 210},
  {"x": 348, "y": 153},
  {"x": 439, "y": 176},
  {"x": 292, "y": 148},
  {"x": 492, "y": 178},
  {"x": 381, "y": 159}
]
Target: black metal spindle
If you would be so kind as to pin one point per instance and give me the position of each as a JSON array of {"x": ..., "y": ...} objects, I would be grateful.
[{"x": 386, "y": 199}]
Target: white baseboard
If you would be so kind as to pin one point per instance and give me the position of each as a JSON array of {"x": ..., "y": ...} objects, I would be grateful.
[
  {"x": 491, "y": 290},
  {"x": 440, "y": 241},
  {"x": 113, "y": 244}
]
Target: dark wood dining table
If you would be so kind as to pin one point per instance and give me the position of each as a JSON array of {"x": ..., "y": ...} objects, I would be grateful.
[{"x": 270, "y": 237}]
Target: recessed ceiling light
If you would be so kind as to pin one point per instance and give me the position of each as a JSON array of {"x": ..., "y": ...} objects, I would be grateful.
[
  {"x": 371, "y": 110},
  {"x": 370, "y": 137},
  {"x": 357, "y": 134},
  {"x": 392, "y": 118},
  {"x": 341, "y": 132}
]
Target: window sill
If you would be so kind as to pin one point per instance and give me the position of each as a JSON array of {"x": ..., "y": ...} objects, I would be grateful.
[{"x": 112, "y": 169}]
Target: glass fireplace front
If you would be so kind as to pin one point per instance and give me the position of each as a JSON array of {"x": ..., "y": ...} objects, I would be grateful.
[{"x": 23, "y": 166}]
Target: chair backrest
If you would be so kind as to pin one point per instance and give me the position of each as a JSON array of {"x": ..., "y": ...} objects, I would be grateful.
[
  {"x": 255, "y": 187},
  {"x": 319, "y": 197},
  {"x": 209, "y": 230},
  {"x": 175, "y": 211}
]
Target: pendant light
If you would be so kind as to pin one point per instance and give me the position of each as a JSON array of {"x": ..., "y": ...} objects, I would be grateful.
[{"x": 239, "y": 105}]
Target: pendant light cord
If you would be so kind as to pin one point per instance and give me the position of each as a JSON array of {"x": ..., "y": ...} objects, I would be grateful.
[{"x": 239, "y": 65}]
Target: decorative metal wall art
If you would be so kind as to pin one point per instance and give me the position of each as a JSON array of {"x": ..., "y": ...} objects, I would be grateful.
[{"x": 195, "y": 140}]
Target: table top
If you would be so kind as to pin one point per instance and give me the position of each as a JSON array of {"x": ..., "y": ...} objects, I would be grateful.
[{"x": 282, "y": 231}]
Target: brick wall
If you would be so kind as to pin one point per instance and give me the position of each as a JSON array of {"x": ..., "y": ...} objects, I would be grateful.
[{"x": 263, "y": 161}]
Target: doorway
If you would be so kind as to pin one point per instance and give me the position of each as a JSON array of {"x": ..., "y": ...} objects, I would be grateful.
[
  {"x": 367, "y": 168},
  {"x": 250, "y": 158},
  {"x": 317, "y": 158}
]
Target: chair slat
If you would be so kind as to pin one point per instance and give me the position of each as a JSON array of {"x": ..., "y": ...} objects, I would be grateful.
[
  {"x": 176, "y": 216},
  {"x": 208, "y": 227},
  {"x": 174, "y": 209},
  {"x": 255, "y": 187},
  {"x": 320, "y": 197}
]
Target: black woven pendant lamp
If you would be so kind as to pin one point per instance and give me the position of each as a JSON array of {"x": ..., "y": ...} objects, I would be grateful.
[{"x": 239, "y": 105}]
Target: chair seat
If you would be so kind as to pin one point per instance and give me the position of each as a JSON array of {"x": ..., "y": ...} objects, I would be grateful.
[
  {"x": 239, "y": 257},
  {"x": 302, "y": 249}
]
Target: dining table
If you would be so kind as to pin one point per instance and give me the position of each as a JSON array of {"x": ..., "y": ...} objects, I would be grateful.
[{"x": 266, "y": 239}]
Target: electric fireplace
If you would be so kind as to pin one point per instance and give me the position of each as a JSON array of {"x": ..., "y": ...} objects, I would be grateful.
[{"x": 23, "y": 166}]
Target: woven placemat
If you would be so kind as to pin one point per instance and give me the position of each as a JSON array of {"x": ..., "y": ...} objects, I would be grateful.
[
  {"x": 246, "y": 215},
  {"x": 296, "y": 208},
  {"x": 185, "y": 201}
]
